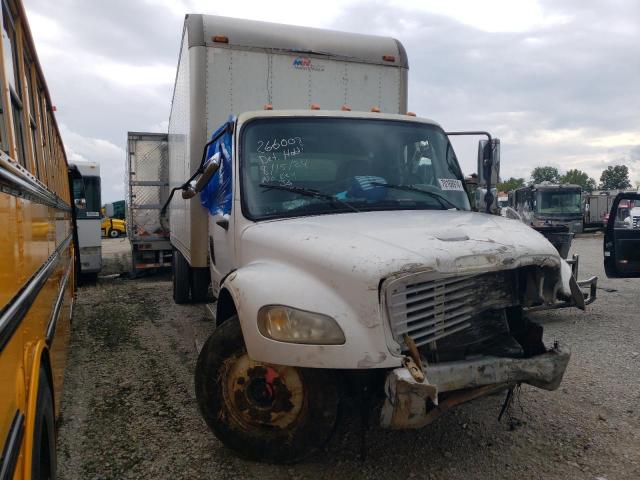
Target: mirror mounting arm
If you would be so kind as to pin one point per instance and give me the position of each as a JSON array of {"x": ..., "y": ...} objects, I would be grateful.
[{"x": 200, "y": 170}]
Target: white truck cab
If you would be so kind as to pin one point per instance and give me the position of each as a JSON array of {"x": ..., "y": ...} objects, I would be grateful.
[
  {"x": 350, "y": 245},
  {"x": 341, "y": 246}
]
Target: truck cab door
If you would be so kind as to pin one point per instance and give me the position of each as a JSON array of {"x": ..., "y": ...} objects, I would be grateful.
[
  {"x": 622, "y": 237},
  {"x": 221, "y": 251}
]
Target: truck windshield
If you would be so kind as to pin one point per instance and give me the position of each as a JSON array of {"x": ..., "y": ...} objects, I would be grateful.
[
  {"x": 559, "y": 202},
  {"x": 364, "y": 164}
]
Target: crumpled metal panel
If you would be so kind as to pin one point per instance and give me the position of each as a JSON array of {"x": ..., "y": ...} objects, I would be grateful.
[{"x": 430, "y": 307}]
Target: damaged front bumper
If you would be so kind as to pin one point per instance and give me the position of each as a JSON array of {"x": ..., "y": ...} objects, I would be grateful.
[
  {"x": 413, "y": 404},
  {"x": 579, "y": 297}
]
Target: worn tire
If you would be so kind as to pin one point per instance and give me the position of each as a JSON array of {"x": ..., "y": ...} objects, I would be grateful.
[
  {"x": 200, "y": 279},
  {"x": 316, "y": 406},
  {"x": 180, "y": 277},
  {"x": 43, "y": 460}
]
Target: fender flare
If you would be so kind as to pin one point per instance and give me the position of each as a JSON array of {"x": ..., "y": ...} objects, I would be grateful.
[{"x": 39, "y": 353}]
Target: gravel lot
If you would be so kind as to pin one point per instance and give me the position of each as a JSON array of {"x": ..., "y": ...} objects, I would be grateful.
[{"x": 129, "y": 408}]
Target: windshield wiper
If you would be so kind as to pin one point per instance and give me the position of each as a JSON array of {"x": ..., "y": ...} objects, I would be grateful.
[
  {"x": 307, "y": 192},
  {"x": 409, "y": 188}
]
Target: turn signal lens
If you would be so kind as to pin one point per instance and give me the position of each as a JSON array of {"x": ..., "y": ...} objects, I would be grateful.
[{"x": 291, "y": 325}]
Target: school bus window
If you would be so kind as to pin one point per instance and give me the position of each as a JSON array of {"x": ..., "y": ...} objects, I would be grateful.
[
  {"x": 11, "y": 68},
  {"x": 8, "y": 44},
  {"x": 29, "y": 97},
  {"x": 4, "y": 146},
  {"x": 43, "y": 133},
  {"x": 52, "y": 158},
  {"x": 16, "y": 105}
]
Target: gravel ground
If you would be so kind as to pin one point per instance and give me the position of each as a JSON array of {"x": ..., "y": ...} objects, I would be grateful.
[{"x": 129, "y": 408}]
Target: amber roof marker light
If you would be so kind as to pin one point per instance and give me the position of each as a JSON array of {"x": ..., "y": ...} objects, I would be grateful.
[
  {"x": 220, "y": 39},
  {"x": 389, "y": 58},
  {"x": 375, "y": 109},
  {"x": 315, "y": 106}
]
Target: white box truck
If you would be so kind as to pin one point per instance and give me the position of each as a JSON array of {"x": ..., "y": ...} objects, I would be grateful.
[
  {"x": 342, "y": 249},
  {"x": 147, "y": 170},
  {"x": 85, "y": 184},
  {"x": 228, "y": 66}
]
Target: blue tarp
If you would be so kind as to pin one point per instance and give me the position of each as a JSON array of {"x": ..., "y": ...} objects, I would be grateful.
[{"x": 216, "y": 196}]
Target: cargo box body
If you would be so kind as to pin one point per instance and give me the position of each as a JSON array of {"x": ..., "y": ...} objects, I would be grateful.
[{"x": 229, "y": 66}]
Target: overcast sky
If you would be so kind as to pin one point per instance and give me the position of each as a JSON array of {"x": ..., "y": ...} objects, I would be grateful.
[{"x": 558, "y": 81}]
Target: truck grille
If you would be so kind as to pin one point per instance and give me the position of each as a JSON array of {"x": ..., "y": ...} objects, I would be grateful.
[
  {"x": 635, "y": 222},
  {"x": 429, "y": 309}
]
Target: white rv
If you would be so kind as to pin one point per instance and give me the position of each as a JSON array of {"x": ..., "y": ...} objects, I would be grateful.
[
  {"x": 85, "y": 185},
  {"x": 338, "y": 237}
]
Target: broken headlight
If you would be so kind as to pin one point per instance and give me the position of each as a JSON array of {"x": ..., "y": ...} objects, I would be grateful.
[{"x": 287, "y": 324}]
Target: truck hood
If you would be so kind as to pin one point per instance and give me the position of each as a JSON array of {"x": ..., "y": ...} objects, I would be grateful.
[{"x": 373, "y": 245}]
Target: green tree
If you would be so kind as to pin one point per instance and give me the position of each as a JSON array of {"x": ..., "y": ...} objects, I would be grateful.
[
  {"x": 545, "y": 174},
  {"x": 510, "y": 184},
  {"x": 615, "y": 178},
  {"x": 578, "y": 177}
]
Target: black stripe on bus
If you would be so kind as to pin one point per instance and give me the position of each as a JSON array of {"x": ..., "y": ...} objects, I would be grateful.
[
  {"x": 53, "y": 321},
  {"x": 12, "y": 314},
  {"x": 15, "y": 181},
  {"x": 11, "y": 449}
]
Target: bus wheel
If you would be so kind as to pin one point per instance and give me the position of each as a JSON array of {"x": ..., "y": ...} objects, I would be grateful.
[
  {"x": 180, "y": 277},
  {"x": 114, "y": 233},
  {"x": 43, "y": 460},
  {"x": 263, "y": 412}
]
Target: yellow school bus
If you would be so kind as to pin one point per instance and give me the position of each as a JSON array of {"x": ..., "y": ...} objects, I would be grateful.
[{"x": 37, "y": 271}]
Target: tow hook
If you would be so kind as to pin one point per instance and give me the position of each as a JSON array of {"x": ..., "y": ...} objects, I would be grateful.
[
  {"x": 413, "y": 363},
  {"x": 415, "y": 371}
]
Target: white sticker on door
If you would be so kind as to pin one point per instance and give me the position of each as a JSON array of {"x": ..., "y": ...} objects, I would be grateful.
[{"x": 451, "y": 184}]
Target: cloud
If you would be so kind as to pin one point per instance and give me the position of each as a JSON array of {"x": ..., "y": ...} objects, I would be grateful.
[
  {"x": 561, "y": 91},
  {"x": 110, "y": 156},
  {"x": 556, "y": 80}
]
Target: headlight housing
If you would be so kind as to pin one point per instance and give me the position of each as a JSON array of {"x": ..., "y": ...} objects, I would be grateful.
[{"x": 292, "y": 325}]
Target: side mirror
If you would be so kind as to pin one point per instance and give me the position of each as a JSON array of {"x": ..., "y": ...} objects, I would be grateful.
[
  {"x": 188, "y": 193},
  {"x": 481, "y": 199},
  {"x": 212, "y": 166},
  {"x": 488, "y": 162},
  {"x": 80, "y": 203},
  {"x": 488, "y": 174}
]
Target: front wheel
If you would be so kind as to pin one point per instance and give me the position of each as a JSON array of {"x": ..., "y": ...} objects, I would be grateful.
[
  {"x": 114, "y": 233},
  {"x": 263, "y": 412},
  {"x": 43, "y": 459}
]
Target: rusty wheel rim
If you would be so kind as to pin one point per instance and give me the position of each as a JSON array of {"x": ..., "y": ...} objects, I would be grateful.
[{"x": 261, "y": 394}]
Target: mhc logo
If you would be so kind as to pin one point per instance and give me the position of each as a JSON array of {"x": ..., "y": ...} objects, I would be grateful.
[{"x": 304, "y": 63}]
